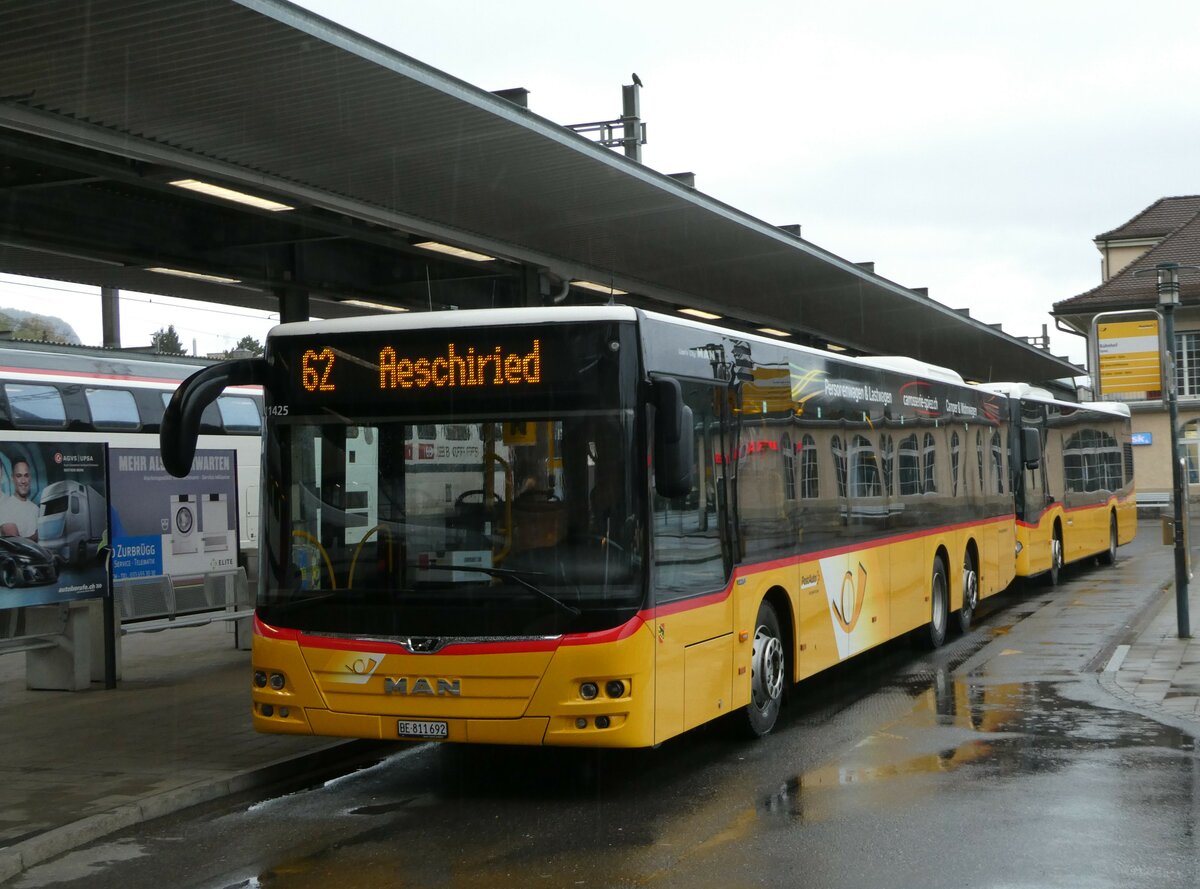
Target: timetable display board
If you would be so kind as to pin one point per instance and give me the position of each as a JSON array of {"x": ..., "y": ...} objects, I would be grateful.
[{"x": 1129, "y": 357}]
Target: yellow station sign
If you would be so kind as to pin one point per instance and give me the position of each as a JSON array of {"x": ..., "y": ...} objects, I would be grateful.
[{"x": 1130, "y": 358}]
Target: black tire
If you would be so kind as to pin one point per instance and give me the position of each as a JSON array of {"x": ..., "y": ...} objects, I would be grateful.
[
  {"x": 768, "y": 673},
  {"x": 1054, "y": 575},
  {"x": 934, "y": 634},
  {"x": 970, "y": 602},
  {"x": 1109, "y": 556},
  {"x": 8, "y": 574}
]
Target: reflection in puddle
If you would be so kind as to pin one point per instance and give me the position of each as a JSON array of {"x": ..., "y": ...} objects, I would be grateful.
[{"x": 999, "y": 730}]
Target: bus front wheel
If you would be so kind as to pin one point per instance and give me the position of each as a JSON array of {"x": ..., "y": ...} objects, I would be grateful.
[
  {"x": 934, "y": 635},
  {"x": 767, "y": 671}
]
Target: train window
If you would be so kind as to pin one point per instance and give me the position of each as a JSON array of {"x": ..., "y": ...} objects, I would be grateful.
[
  {"x": 112, "y": 408},
  {"x": 36, "y": 406},
  {"x": 457, "y": 432},
  {"x": 210, "y": 420},
  {"x": 238, "y": 413}
]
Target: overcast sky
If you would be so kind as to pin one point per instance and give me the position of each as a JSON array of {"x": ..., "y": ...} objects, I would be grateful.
[{"x": 972, "y": 149}]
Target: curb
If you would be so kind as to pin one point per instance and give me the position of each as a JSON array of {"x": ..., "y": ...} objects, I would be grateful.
[
  {"x": 1130, "y": 702},
  {"x": 1132, "y": 629},
  {"x": 23, "y": 855}
]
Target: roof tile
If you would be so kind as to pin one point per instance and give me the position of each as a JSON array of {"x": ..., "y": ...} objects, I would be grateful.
[
  {"x": 1159, "y": 219},
  {"x": 1126, "y": 291}
]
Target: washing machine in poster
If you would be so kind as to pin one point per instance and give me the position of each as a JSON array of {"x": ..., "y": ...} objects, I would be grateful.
[{"x": 185, "y": 525}]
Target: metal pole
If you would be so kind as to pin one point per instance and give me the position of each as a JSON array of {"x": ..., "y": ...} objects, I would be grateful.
[{"x": 1168, "y": 298}]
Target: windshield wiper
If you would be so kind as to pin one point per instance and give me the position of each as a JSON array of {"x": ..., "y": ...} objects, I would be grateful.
[{"x": 509, "y": 574}]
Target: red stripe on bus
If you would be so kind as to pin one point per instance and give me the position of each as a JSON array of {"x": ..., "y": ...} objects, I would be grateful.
[
  {"x": 1105, "y": 505},
  {"x": 625, "y": 630}
]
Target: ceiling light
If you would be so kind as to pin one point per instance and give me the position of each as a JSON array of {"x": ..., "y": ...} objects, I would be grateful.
[
  {"x": 197, "y": 276},
  {"x": 834, "y": 347},
  {"x": 771, "y": 331},
  {"x": 380, "y": 307},
  {"x": 218, "y": 191},
  {"x": 459, "y": 252},
  {"x": 599, "y": 288},
  {"x": 699, "y": 313}
]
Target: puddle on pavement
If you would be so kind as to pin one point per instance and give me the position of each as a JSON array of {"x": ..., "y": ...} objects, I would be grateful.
[{"x": 999, "y": 730}]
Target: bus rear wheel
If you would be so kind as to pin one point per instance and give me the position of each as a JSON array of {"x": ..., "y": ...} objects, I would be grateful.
[
  {"x": 1109, "y": 556},
  {"x": 970, "y": 599},
  {"x": 767, "y": 671},
  {"x": 1056, "y": 559}
]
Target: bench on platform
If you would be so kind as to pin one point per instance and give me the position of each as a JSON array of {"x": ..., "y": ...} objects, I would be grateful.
[
  {"x": 56, "y": 642},
  {"x": 153, "y": 604},
  {"x": 1153, "y": 499}
]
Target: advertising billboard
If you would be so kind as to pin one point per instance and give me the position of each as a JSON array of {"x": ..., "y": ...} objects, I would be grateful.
[
  {"x": 53, "y": 522},
  {"x": 181, "y": 527}
]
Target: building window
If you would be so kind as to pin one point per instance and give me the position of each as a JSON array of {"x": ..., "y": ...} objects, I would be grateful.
[
  {"x": 998, "y": 461},
  {"x": 954, "y": 461},
  {"x": 1187, "y": 363},
  {"x": 839, "y": 464},
  {"x": 1189, "y": 442},
  {"x": 808, "y": 468},
  {"x": 887, "y": 457},
  {"x": 910, "y": 467},
  {"x": 789, "y": 468},
  {"x": 928, "y": 460},
  {"x": 865, "y": 470}
]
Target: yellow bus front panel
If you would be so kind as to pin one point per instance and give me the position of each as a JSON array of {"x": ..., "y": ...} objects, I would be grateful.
[{"x": 521, "y": 693}]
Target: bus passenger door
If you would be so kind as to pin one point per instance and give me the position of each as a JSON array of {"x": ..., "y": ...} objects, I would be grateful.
[{"x": 693, "y": 613}]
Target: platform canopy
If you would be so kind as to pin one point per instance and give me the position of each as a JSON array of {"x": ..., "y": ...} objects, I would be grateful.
[{"x": 103, "y": 106}]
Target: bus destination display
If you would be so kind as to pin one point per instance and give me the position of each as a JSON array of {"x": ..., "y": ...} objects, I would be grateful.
[
  {"x": 452, "y": 370},
  {"x": 366, "y": 370}
]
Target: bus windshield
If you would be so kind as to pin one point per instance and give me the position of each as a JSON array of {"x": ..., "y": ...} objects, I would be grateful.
[{"x": 454, "y": 527}]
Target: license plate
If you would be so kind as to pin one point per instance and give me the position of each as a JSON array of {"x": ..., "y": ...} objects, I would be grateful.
[{"x": 416, "y": 728}]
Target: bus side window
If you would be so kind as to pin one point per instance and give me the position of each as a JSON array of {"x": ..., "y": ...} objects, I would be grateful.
[{"x": 691, "y": 554}]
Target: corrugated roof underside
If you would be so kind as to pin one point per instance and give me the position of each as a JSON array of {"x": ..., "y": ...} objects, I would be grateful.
[{"x": 222, "y": 81}]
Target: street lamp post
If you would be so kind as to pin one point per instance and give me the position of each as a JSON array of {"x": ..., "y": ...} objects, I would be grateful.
[{"x": 1168, "y": 301}]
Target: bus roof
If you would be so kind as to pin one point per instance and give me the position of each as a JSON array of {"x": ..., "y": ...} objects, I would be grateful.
[
  {"x": 1027, "y": 392},
  {"x": 457, "y": 318}
]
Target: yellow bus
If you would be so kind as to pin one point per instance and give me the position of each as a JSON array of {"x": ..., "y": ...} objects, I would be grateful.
[
  {"x": 625, "y": 524},
  {"x": 1079, "y": 501}
]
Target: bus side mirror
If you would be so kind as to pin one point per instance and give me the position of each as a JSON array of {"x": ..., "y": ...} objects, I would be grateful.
[
  {"x": 181, "y": 420},
  {"x": 1031, "y": 447},
  {"x": 674, "y": 444}
]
